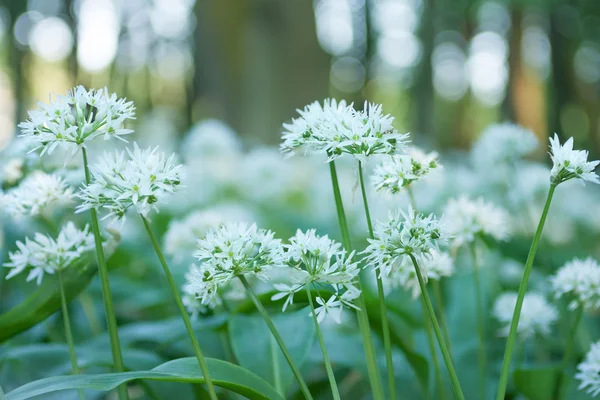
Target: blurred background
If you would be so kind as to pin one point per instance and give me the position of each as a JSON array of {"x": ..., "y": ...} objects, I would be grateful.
[{"x": 445, "y": 69}]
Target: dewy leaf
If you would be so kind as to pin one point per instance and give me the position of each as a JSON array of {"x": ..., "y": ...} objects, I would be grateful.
[
  {"x": 253, "y": 348},
  {"x": 185, "y": 370}
]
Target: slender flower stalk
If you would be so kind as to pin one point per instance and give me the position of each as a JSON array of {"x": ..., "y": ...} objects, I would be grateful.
[
  {"x": 182, "y": 311},
  {"x": 330, "y": 375},
  {"x": 512, "y": 335},
  {"x": 111, "y": 320},
  {"x": 68, "y": 333},
  {"x": 437, "y": 294},
  {"x": 381, "y": 295},
  {"x": 438, "y": 332},
  {"x": 433, "y": 351},
  {"x": 363, "y": 318},
  {"x": 481, "y": 349},
  {"x": 278, "y": 339}
]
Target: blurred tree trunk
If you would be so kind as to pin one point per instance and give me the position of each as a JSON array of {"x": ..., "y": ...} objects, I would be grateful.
[{"x": 15, "y": 9}]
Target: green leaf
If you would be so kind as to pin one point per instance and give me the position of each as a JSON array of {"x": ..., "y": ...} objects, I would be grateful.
[
  {"x": 223, "y": 374},
  {"x": 536, "y": 383},
  {"x": 256, "y": 350}
]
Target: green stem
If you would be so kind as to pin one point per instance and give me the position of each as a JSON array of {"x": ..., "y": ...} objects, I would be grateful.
[
  {"x": 385, "y": 326},
  {"x": 438, "y": 332},
  {"x": 433, "y": 351},
  {"x": 182, "y": 311},
  {"x": 275, "y": 333},
  {"x": 68, "y": 332},
  {"x": 411, "y": 198},
  {"x": 362, "y": 314},
  {"x": 568, "y": 354},
  {"x": 437, "y": 294},
  {"x": 111, "y": 320},
  {"x": 481, "y": 351},
  {"x": 328, "y": 368},
  {"x": 2, "y": 395},
  {"x": 512, "y": 335}
]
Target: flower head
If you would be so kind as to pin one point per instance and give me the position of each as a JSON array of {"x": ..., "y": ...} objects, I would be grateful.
[
  {"x": 537, "y": 315},
  {"x": 580, "y": 279},
  {"x": 466, "y": 219},
  {"x": 230, "y": 251},
  {"x": 76, "y": 118},
  {"x": 37, "y": 194},
  {"x": 138, "y": 178},
  {"x": 210, "y": 138},
  {"x": 588, "y": 371},
  {"x": 402, "y": 235},
  {"x": 569, "y": 163},
  {"x": 335, "y": 128},
  {"x": 402, "y": 170},
  {"x": 503, "y": 144},
  {"x": 45, "y": 254}
]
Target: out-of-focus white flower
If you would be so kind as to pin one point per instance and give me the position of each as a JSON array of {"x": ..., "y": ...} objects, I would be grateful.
[
  {"x": 13, "y": 170},
  {"x": 44, "y": 254},
  {"x": 76, "y": 118},
  {"x": 315, "y": 259},
  {"x": 402, "y": 170},
  {"x": 580, "y": 280},
  {"x": 569, "y": 163},
  {"x": 466, "y": 219},
  {"x": 588, "y": 371},
  {"x": 182, "y": 235},
  {"x": 230, "y": 251},
  {"x": 402, "y": 235},
  {"x": 264, "y": 175},
  {"x": 335, "y": 128},
  {"x": 39, "y": 193},
  {"x": 232, "y": 291},
  {"x": 210, "y": 138},
  {"x": 138, "y": 178},
  {"x": 503, "y": 144},
  {"x": 537, "y": 315}
]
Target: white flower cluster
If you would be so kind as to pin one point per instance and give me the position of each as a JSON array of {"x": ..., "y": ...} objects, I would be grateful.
[
  {"x": 537, "y": 315},
  {"x": 139, "y": 178},
  {"x": 402, "y": 170},
  {"x": 466, "y": 219},
  {"x": 402, "y": 235},
  {"x": 588, "y": 371},
  {"x": 580, "y": 279},
  {"x": 44, "y": 254},
  {"x": 569, "y": 163},
  {"x": 39, "y": 193},
  {"x": 318, "y": 260},
  {"x": 335, "y": 128},
  {"x": 503, "y": 144},
  {"x": 228, "y": 252},
  {"x": 77, "y": 117}
]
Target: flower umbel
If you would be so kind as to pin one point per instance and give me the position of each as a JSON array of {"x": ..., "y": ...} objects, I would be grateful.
[
  {"x": 569, "y": 163},
  {"x": 537, "y": 314},
  {"x": 580, "y": 280},
  {"x": 588, "y": 371},
  {"x": 503, "y": 144},
  {"x": 37, "y": 194},
  {"x": 402, "y": 170},
  {"x": 138, "y": 178},
  {"x": 79, "y": 116}
]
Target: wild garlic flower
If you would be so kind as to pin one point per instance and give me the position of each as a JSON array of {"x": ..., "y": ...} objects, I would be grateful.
[
  {"x": 232, "y": 291},
  {"x": 335, "y": 128},
  {"x": 503, "y": 144},
  {"x": 138, "y": 178},
  {"x": 588, "y": 371},
  {"x": 466, "y": 219},
  {"x": 537, "y": 315},
  {"x": 318, "y": 260},
  {"x": 45, "y": 255},
  {"x": 402, "y": 235},
  {"x": 79, "y": 116},
  {"x": 580, "y": 281},
  {"x": 12, "y": 171},
  {"x": 569, "y": 163},
  {"x": 230, "y": 251},
  {"x": 402, "y": 170},
  {"x": 210, "y": 138},
  {"x": 38, "y": 194}
]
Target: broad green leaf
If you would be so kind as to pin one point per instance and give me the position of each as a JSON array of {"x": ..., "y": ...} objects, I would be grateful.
[
  {"x": 185, "y": 370},
  {"x": 256, "y": 350},
  {"x": 536, "y": 383}
]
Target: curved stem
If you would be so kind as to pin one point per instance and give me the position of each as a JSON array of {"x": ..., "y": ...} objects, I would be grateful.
[
  {"x": 111, "y": 320},
  {"x": 433, "y": 351},
  {"x": 385, "y": 326},
  {"x": 362, "y": 314},
  {"x": 481, "y": 351},
  {"x": 182, "y": 311},
  {"x": 558, "y": 391},
  {"x": 438, "y": 332},
  {"x": 328, "y": 368},
  {"x": 68, "y": 333},
  {"x": 437, "y": 294},
  {"x": 278, "y": 339},
  {"x": 512, "y": 335}
]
